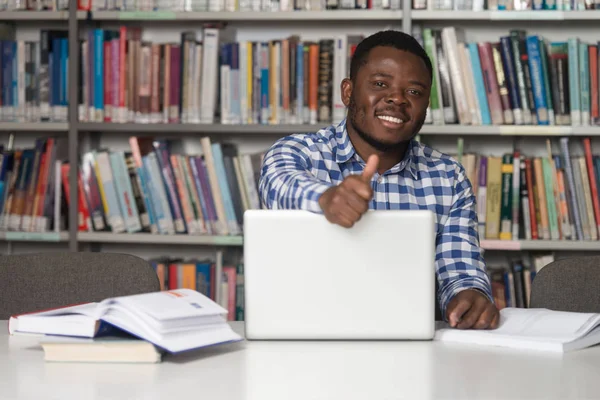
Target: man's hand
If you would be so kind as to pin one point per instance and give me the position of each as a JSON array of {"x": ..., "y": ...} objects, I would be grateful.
[
  {"x": 472, "y": 309},
  {"x": 346, "y": 203}
]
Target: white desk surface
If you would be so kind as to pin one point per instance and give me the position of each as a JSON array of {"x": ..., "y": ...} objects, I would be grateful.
[{"x": 306, "y": 371}]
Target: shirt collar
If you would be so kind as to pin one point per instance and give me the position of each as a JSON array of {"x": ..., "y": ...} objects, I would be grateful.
[{"x": 344, "y": 151}]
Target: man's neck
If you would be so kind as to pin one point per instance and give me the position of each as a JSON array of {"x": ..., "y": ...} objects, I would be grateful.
[{"x": 387, "y": 159}]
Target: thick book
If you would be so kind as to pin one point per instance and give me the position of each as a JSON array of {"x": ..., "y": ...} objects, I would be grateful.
[
  {"x": 110, "y": 349},
  {"x": 174, "y": 321},
  {"x": 532, "y": 329}
]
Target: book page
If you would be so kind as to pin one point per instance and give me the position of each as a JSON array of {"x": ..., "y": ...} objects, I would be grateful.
[
  {"x": 168, "y": 305},
  {"x": 80, "y": 320},
  {"x": 544, "y": 324},
  {"x": 530, "y": 324},
  {"x": 88, "y": 309}
]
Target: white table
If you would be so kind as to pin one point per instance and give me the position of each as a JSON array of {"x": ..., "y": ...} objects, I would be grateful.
[{"x": 306, "y": 371}]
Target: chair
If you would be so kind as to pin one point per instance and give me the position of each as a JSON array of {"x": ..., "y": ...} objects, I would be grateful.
[
  {"x": 32, "y": 282},
  {"x": 571, "y": 284}
]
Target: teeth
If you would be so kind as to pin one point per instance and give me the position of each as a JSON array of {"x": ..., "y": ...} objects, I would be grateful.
[{"x": 391, "y": 119}]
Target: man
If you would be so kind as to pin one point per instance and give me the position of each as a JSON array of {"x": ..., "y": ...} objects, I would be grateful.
[{"x": 387, "y": 95}]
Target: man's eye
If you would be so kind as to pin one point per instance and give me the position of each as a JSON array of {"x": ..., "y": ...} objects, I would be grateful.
[
  {"x": 415, "y": 92},
  {"x": 379, "y": 84}
]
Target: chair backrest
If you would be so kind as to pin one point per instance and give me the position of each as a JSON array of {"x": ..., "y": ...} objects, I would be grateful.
[
  {"x": 32, "y": 282},
  {"x": 571, "y": 284}
]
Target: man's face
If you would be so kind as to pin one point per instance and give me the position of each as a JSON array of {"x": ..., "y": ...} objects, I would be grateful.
[{"x": 387, "y": 102}]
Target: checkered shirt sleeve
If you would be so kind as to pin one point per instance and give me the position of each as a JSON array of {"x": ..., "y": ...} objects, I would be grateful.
[
  {"x": 459, "y": 261},
  {"x": 286, "y": 180}
]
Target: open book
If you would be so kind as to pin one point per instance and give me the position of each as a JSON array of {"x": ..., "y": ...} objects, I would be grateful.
[
  {"x": 173, "y": 321},
  {"x": 533, "y": 329}
]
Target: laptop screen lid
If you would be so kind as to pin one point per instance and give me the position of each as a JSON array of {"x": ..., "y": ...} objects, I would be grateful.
[{"x": 306, "y": 278}]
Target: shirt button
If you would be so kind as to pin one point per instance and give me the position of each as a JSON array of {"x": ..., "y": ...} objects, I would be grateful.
[{"x": 380, "y": 179}]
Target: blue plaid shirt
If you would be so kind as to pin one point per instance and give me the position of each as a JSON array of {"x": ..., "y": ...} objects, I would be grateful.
[{"x": 298, "y": 168}]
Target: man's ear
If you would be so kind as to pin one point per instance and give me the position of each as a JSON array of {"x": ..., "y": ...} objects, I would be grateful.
[{"x": 346, "y": 86}]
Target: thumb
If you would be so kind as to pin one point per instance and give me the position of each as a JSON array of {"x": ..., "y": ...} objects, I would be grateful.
[{"x": 370, "y": 168}]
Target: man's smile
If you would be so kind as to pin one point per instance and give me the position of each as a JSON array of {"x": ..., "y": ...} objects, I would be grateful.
[{"x": 392, "y": 122}]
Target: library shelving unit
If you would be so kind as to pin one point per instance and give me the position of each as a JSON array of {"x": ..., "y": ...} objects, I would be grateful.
[{"x": 407, "y": 19}]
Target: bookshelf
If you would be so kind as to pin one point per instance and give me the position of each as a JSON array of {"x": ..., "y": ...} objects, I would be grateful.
[{"x": 84, "y": 135}]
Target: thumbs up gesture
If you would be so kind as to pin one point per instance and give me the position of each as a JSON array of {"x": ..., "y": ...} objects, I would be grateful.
[{"x": 346, "y": 203}]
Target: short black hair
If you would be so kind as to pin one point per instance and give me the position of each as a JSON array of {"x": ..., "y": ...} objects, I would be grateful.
[{"x": 389, "y": 38}]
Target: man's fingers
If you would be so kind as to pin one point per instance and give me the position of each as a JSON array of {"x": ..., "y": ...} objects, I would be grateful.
[
  {"x": 354, "y": 194},
  {"x": 349, "y": 214},
  {"x": 456, "y": 313},
  {"x": 495, "y": 321},
  {"x": 341, "y": 217},
  {"x": 486, "y": 317},
  {"x": 343, "y": 221},
  {"x": 470, "y": 317},
  {"x": 357, "y": 203},
  {"x": 356, "y": 185},
  {"x": 370, "y": 168}
]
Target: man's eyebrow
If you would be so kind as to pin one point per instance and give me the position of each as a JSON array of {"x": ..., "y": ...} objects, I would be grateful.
[
  {"x": 383, "y": 75},
  {"x": 390, "y": 76},
  {"x": 418, "y": 83}
]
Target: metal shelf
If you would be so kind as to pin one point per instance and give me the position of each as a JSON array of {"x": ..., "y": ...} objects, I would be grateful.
[
  {"x": 147, "y": 238},
  {"x": 510, "y": 130},
  {"x": 541, "y": 245},
  {"x": 250, "y": 16},
  {"x": 34, "y": 236},
  {"x": 198, "y": 128},
  {"x": 237, "y": 241},
  {"x": 34, "y": 126},
  {"x": 529, "y": 15},
  {"x": 38, "y": 15},
  {"x": 428, "y": 129}
]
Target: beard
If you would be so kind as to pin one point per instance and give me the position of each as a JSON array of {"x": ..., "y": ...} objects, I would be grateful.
[{"x": 354, "y": 115}]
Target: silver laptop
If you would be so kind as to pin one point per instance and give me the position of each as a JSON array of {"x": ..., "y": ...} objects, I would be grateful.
[{"x": 308, "y": 279}]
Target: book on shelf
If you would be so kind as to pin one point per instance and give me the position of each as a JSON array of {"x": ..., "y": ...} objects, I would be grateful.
[
  {"x": 148, "y": 188},
  {"x": 207, "y": 77},
  {"x": 173, "y": 321},
  {"x": 511, "y": 282},
  {"x": 547, "y": 197},
  {"x": 504, "y": 5},
  {"x": 33, "y": 186},
  {"x": 532, "y": 329},
  {"x": 200, "y": 275},
  {"x": 152, "y": 188},
  {"x": 35, "y": 5},
  {"x": 519, "y": 79},
  {"x": 34, "y": 76},
  {"x": 155, "y": 190},
  {"x": 241, "y": 6}
]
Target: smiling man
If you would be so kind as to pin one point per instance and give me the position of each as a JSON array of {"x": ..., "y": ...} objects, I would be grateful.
[{"x": 372, "y": 161}]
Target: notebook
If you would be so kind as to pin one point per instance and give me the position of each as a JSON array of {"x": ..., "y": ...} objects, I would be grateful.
[
  {"x": 174, "y": 321},
  {"x": 532, "y": 329}
]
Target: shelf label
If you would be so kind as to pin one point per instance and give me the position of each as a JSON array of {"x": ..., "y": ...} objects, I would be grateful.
[
  {"x": 528, "y": 15},
  {"x": 146, "y": 15},
  {"x": 34, "y": 236}
]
